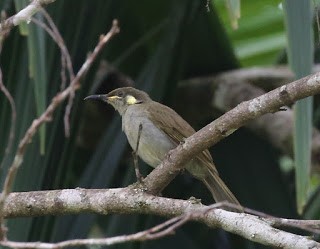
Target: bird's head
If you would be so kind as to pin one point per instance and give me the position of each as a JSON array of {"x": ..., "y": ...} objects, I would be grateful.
[{"x": 122, "y": 98}]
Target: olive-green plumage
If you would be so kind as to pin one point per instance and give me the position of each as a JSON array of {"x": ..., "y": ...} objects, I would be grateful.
[{"x": 162, "y": 130}]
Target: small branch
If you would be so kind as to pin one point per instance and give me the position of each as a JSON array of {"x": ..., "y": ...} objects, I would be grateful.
[
  {"x": 23, "y": 15},
  {"x": 312, "y": 226},
  {"x": 65, "y": 61},
  {"x": 63, "y": 54},
  {"x": 47, "y": 115},
  {"x": 129, "y": 201},
  {"x": 13, "y": 117},
  {"x": 164, "y": 229},
  {"x": 60, "y": 42},
  {"x": 156, "y": 232},
  {"x": 56, "y": 36},
  {"x": 67, "y": 114},
  {"x": 135, "y": 156}
]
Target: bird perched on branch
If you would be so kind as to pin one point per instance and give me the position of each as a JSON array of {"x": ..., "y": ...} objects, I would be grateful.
[{"x": 162, "y": 129}]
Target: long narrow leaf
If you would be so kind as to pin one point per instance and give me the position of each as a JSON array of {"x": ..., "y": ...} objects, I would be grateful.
[
  {"x": 300, "y": 54},
  {"x": 37, "y": 72}
]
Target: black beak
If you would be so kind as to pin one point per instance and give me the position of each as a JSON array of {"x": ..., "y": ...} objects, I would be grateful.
[{"x": 99, "y": 96}]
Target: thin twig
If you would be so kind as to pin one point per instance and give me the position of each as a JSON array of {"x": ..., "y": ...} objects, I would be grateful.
[
  {"x": 63, "y": 74},
  {"x": 164, "y": 229},
  {"x": 65, "y": 56},
  {"x": 135, "y": 156},
  {"x": 61, "y": 43},
  {"x": 312, "y": 226},
  {"x": 53, "y": 31},
  {"x": 13, "y": 117},
  {"x": 67, "y": 114},
  {"x": 46, "y": 116},
  {"x": 68, "y": 61},
  {"x": 11, "y": 101},
  {"x": 55, "y": 35},
  {"x": 65, "y": 60}
]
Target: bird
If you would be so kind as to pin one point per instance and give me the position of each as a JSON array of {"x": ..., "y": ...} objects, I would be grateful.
[{"x": 162, "y": 129}]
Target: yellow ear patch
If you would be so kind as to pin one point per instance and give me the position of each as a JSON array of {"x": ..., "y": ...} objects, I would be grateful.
[{"x": 131, "y": 100}]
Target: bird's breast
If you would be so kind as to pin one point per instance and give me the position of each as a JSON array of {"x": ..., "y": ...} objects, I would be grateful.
[{"x": 154, "y": 144}]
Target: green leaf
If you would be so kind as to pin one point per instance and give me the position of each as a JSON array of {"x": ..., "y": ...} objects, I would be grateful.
[
  {"x": 38, "y": 74},
  {"x": 260, "y": 28},
  {"x": 300, "y": 55},
  {"x": 260, "y": 45}
]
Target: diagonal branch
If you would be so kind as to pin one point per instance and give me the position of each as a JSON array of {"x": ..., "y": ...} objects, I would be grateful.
[
  {"x": 226, "y": 124},
  {"x": 228, "y": 89}
]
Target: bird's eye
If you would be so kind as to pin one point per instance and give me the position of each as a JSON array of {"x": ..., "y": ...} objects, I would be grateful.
[{"x": 120, "y": 94}]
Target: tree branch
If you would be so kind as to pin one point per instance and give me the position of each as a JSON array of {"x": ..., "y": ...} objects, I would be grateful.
[
  {"x": 225, "y": 125},
  {"x": 130, "y": 200},
  {"x": 23, "y": 15},
  {"x": 226, "y": 90},
  {"x": 220, "y": 93},
  {"x": 164, "y": 229}
]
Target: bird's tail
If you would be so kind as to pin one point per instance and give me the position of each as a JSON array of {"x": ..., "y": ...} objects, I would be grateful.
[{"x": 218, "y": 188}]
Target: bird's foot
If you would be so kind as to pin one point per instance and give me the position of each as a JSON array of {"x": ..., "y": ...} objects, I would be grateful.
[
  {"x": 139, "y": 176},
  {"x": 194, "y": 200}
]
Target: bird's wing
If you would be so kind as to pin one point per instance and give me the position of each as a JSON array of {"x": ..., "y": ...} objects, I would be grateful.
[{"x": 177, "y": 129}]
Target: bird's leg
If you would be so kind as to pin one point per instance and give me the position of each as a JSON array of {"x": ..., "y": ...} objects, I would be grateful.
[{"x": 135, "y": 156}]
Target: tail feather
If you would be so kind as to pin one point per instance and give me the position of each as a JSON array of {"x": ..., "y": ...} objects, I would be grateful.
[{"x": 218, "y": 189}]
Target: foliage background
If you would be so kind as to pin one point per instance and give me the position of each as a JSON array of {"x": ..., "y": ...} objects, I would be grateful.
[{"x": 160, "y": 44}]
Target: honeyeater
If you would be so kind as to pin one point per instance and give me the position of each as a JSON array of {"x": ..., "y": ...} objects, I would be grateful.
[{"x": 162, "y": 130}]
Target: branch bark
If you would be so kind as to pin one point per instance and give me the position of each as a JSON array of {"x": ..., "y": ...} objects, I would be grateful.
[
  {"x": 219, "y": 93},
  {"x": 131, "y": 200},
  {"x": 225, "y": 125},
  {"x": 23, "y": 15},
  {"x": 226, "y": 90}
]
